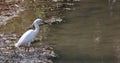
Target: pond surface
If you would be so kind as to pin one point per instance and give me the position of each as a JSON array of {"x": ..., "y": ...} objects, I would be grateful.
[{"x": 91, "y": 33}]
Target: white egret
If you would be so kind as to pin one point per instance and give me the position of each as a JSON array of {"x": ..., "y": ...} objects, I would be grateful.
[{"x": 28, "y": 36}]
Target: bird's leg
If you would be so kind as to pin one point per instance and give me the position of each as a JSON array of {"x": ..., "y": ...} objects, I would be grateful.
[
  {"x": 25, "y": 48},
  {"x": 29, "y": 46}
]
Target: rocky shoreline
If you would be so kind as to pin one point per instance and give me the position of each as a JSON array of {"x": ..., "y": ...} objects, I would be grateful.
[
  {"x": 37, "y": 54},
  {"x": 43, "y": 54}
]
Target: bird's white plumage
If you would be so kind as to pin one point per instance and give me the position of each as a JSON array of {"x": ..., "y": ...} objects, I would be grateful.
[{"x": 28, "y": 36}]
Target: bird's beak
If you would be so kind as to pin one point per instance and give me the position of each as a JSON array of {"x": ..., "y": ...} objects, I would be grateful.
[
  {"x": 41, "y": 23},
  {"x": 45, "y": 22}
]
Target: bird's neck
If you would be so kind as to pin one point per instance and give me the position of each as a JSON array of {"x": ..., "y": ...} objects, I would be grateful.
[{"x": 36, "y": 27}]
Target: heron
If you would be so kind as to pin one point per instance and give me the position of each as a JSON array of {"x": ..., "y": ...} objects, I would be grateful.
[{"x": 29, "y": 35}]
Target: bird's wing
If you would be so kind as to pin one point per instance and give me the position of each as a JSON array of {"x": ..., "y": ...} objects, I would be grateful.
[{"x": 27, "y": 37}]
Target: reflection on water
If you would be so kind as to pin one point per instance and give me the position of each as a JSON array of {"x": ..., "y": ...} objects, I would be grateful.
[
  {"x": 111, "y": 6},
  {"x": 90, "y": 35}
]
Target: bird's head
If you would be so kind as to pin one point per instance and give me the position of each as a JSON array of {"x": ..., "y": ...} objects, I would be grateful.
[{"x": 39, "y": 22}]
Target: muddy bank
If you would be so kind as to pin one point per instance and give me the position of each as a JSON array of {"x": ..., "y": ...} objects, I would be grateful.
[
  {"x": 10, "y": 9},
  {"x": 37, "y": 54}
]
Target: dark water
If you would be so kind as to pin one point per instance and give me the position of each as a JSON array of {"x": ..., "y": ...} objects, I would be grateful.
[{"x": 91, "y": 33}]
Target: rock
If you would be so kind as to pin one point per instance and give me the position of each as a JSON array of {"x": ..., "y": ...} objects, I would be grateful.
[{"x": 54, "y": 20}]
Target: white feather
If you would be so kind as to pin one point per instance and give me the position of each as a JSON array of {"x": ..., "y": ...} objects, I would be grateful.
[{"x": 28, "y": 36}]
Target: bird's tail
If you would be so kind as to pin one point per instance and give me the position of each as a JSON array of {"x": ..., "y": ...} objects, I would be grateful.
[{"x": 16, "y": 45}]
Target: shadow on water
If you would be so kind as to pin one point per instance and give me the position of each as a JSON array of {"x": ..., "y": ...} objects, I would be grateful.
[{"x": 90, "y": 35}]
